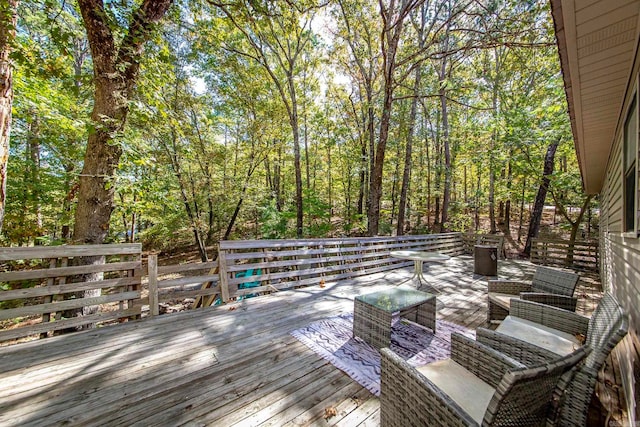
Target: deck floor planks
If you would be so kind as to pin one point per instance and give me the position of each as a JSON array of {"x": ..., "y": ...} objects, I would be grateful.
[
  {"x": 233, "y": 389},
  {"x": 182, "y": 382},
  {"x": 291, "y": 399},
  {"x": 333, "y": 401},
  {"x": 364, "y": 411},
  {"x": 257, "y": 373},
  {"x": 346, "y": 405},
  {"x": 312, "y": 406}
]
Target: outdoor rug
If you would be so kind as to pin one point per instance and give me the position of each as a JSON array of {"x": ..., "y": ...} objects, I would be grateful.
[{"x": 333, "y": 340}]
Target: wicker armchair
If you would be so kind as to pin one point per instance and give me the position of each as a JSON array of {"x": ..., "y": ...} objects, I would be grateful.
[
  {"x": 547, "y": 332},
  {"x": 549, "y": 286},
  {"x": 477, "y": 386}
]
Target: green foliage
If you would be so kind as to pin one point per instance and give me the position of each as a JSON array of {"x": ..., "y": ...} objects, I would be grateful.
[
  {"x": 210, "y": 126},
  {"x": 318, "y": 215},
  {"x": 275, "y": 224},
  {"x": 459, "y": 219}
]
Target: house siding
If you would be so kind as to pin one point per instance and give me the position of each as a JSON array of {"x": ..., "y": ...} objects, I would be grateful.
[{"x": 620, "y": 269}]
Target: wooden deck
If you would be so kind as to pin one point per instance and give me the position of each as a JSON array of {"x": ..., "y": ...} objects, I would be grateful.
[{"x": 230, "y": 365}]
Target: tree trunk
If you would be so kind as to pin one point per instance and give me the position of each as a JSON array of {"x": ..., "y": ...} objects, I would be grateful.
[
  {"x": 174, "y": 158},
  {"x": 375, "y": 192},
  {"x": 307, "y": 161},
  {"x": 125, "y": 220},
  {"x": 394, "y": 185},
  {"x": 8, "y": 19},
  {"x": 362, "y": 180},
  {"x": 476, "y": 214},
  {"x": 70, "y": 192},
  {"x": 252, "y": 167},
  {"x": 330, "y": 182},
  {"x": 371, "y": 134},
  {"x": 575, "y": 227},
  {"x": 524, "y": 186},
  {"x": 492, "y": 192},
  {"x": 507, "y": 206},
  {"x": 446, "y": 195},
  {"x": 406, "y": 176},
  {"x": 115, "y": 73},
  {"x": 536, "y": 215},
  {"x": 33, "y": 185},
  {"x": 437, "y": 163},
  {"x": 293, "y": 118},
  {"x": 390, "y": 39}
]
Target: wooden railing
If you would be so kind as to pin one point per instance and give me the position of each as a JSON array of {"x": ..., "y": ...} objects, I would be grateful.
[
  {"x": 40, "y": 284},
  {"x": 259, "y": 266},
  {"x": 192, "y": 280},
  {"x": 581, "y": 255},
  {"x": 497, "y": 240},
  {"x": 55, "y": 283}
]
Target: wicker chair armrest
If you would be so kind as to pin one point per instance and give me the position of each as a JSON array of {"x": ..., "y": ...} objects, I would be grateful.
[
  {"x": 408, "y": 398},
  {"x": 513, "y": 287},
  {"x": 552, "y": 317},
  {"x": 561, "y": 301},
  {"x": 572, "y": 396},
  {"x": 522, "y": 351},
  {"x": 482, "y": 361}
]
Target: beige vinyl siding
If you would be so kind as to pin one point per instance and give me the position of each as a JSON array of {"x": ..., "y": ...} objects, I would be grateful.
[{"x": 620, "y": 257}]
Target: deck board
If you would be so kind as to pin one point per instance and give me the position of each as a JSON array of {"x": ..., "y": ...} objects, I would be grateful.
[{"x": 230, "y": 365}]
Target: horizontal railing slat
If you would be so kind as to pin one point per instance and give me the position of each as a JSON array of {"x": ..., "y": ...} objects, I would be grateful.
[
  {"x": 68, "y": 251},
  {"x": 555, "y": 252},
  {"x": 189, "y": 280},
  {"x": 12, "y": 313},
  {"x": 67, "y": 288},
  {"x": 67, "y": 323},
  {"x": 181, "y": 268},
  {"x": 44, "y": 273},
  {"x": 188, "y": 294}
]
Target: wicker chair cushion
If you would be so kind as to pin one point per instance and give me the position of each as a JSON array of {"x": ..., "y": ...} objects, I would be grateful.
[
  {"x": 468, "y": 391},
  {"x": 548, "y": 338},
  {"x": 503, "y": 300}
]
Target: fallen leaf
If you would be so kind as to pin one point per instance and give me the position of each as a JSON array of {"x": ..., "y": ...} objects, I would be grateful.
[
  {"x": 232, "y": 308},
  {"x": 581, "y": 338},
  {"x": 610, "y": 384},
  {"x": 322, "y": 283},
  {"x": 330, "y": 412}
]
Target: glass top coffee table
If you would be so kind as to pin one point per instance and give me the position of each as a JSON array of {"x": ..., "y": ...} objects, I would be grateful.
[{"x": 373, "y": 313}]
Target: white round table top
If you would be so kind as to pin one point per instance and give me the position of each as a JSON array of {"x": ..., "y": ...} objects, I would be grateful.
[{"x": 420, "y": 256}]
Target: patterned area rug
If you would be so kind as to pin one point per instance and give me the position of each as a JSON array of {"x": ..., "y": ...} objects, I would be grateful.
[{"x": 332, "y": 339}]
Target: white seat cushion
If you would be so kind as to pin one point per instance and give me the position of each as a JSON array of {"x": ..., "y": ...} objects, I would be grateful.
[
  {"x": 503, "y": 300},
  {"x": 470, "y": 392},
  {"x": 550, "y": 339}
]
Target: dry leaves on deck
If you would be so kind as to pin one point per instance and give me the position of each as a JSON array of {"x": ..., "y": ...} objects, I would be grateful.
[
  {"x": 330, "y": 412},
  {"x": 322, "y": 283}
]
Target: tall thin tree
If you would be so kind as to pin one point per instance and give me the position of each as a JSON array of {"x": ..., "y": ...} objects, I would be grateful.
[
  {"x": 536, "y": 215},
  {"x": 8, "y": 20}
]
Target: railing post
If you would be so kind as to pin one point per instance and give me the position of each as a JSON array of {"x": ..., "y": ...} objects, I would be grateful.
[
  {"x": 224, "y": 276},
  {"x": 154, "y": 308}
]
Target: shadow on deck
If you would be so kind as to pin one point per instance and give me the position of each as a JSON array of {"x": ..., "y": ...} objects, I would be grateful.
[{"x": 228, "y": 365}]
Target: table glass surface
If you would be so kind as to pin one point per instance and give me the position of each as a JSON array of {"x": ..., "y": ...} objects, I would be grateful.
[
  {"x": 420, "y": 256},
  {"x": 396, "y": 299}
]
